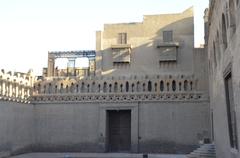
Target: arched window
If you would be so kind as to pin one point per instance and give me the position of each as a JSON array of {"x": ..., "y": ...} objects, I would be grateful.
[
  {"x": 191, "y": 85},
  {"x": 167, "y": 86},
  {"x": 185, "y": 85},
  {"x": 83, "y": 87},
  {"x": 144, "y": 87},
  {"x": 180, "y": 86},
  {"x": 161, "y": 86},
  {"x": 232, "y": 15},
  {"x": 7, "y": 87},
  {"x": 34, "y": 88},
  {"x": 149, "y": 86},
  {"x": 56, "y": 87},
  {"x": 61, "y": 88},
  {"x": 39, "y": 89},
  {"x": 44, "y": 89},
  {"x": 155, "y": 87},
  {"x": 133, "y": 86},
  {"x": 99, "y": 88},
  {"x": 127, "y": 86},
  {"x": 88, "y": 88},
  {"x": 174, "y": 85},
  {"x": 49, "y": 88},
  {"x": 93, "y": 87},
  {"x": 25, "y": 92},
  {"x": 224, "y": 32},
  {"x": 138, "y": 86},
  {"x": 115, "y": 87},
  {"x": 110, "y": 88},
  {"x": 14, "y": 89},
  {"x": 104, "y": 87},
  {"x": 77, "y": 88},
  {"x": 121, "y": 88},
  {"x": 72, "y": 88}
]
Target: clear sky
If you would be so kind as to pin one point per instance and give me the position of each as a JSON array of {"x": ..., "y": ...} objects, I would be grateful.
[{"x": 31, "y": 28}]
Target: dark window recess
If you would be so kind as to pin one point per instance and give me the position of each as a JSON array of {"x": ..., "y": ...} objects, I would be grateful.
[
  {"x": 161, "y": 86},
  {"x": 174, "y": 85},
  {"x": 127, "y": 86},
  {"x": 231, "y": 113},
  {"x": 122, "y": 38},
  {"x": 224, "y": 32},
  {"x": 149, "y": 86},
  {"x": 167, "y": 36}
]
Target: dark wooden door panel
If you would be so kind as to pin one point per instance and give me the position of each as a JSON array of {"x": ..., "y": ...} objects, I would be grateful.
[{"x": 119, "y": 130}]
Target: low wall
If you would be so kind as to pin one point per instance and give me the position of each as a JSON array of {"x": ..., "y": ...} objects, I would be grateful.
[
  {"x": 162, "y": 127},
  {"x": 67, "y": 127},
  {"x": 16, "y": 128},
  {"x": 172, "y": 127},
  {"x": 156, "y": 126}
]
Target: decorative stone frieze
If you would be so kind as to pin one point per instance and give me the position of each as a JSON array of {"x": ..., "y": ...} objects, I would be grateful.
[
  {"x": 108, "y": 97},
  {"x": 16, "y": 86},
  {"x": 133, "y": 84},
  {"x": 114, "y": 89}
]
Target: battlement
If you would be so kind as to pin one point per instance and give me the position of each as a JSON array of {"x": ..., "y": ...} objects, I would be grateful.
[
  {"x": 16, "y": 86},
  {"x": 135, "y": 88}
]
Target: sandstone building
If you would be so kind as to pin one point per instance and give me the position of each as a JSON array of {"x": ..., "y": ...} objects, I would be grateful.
[
  {"x": 223, "y": 40},
  {"x": 145, "y": 90}
]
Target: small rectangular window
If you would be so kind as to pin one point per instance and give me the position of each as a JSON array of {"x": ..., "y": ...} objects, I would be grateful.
[
  {"x": 122, "y": 38},
  {"x": 167, "y": 36}
]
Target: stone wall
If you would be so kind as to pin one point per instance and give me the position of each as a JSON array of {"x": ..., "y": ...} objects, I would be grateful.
[
  {"x": 67, "y": 127},
  {"x": 172, "y": 127},
  {"x": 163, "y": 127},
  {"x": 166, "y": 94},
  {"x": 16, "y": 128},
  {"x": 223, "y": 56},
  {"x": 170, "y": 113},
  {"x": 16, "y": 87},
  {"x": 146, "y": 46}
]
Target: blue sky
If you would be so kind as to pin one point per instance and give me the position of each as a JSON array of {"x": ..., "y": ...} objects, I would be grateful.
[{"x": 31, "y": 28}]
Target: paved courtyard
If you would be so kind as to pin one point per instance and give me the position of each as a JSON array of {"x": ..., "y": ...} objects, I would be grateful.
[{"x": 94, "y": 155}]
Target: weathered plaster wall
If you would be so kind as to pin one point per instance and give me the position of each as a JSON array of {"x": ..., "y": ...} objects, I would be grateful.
[
  {"x": 67, "y": 127},
  {"x": 166, "y": 127},
  {"x": 144, "y": 38},
  {"x": 173, "y": 127},
  {"x": 16, "y": 127},
  {"x": 221, "y": 61}
]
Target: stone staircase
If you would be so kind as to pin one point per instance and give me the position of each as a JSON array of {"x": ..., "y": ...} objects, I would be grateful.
[{"x": 204, "y": 151}]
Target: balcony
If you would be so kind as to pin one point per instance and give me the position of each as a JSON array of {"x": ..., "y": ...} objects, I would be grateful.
[
  {"x": 121, "y": 53},
  {"x": 168, "y": 51}
]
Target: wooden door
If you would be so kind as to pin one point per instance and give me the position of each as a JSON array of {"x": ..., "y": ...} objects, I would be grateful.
[{"x": 119, "y": 130}]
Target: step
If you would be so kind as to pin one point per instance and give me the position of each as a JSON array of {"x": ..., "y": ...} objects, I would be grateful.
[{"x": 204, "y": 151}]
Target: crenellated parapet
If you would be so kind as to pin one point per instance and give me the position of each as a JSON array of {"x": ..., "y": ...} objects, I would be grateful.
[
  {"x": 157, "y": 87},
  {"x": 16, "y": 86}
]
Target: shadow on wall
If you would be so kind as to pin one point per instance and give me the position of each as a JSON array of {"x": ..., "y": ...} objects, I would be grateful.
[
  {"x": 145, "y": 58},
  {"x": 138, "y": 81}
]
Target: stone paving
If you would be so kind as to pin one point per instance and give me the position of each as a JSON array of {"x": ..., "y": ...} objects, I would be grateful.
[{"x": 95, "y": 155}]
